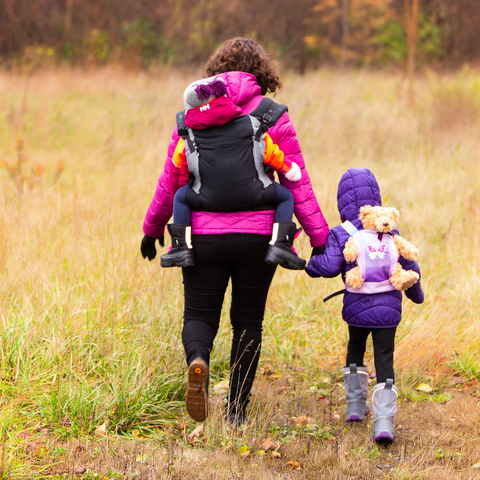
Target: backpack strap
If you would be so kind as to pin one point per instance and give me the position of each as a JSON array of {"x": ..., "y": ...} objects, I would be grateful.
[
  {"x": 268, "y": 112},
  {"x": 349, "y": 227},
  {"x": 182, "y": 130},
  {"x": 340, "y": 292}
]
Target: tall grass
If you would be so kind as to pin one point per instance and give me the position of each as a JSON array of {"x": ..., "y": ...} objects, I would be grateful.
[{"x": 91, "y": 333}]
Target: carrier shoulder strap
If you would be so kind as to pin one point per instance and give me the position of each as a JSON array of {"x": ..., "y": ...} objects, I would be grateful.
[
  {"x": 182, "y": 130},
  {"x": 268, "y": 112},
  {"x": 349, "y": 227}
]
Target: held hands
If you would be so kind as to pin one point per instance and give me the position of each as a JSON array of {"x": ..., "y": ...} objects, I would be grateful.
[{"x": 148, "y": 246}]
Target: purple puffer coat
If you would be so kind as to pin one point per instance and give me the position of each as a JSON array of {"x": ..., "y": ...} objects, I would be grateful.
[
  {"x": 358, "y": 187},
  {"x": 245, "y": 92}
]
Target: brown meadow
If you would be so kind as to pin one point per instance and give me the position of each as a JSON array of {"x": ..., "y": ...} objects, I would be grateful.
[{"x": 90, "y": 332}]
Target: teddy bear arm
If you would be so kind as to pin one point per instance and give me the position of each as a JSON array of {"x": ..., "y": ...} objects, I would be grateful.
[
  {"x": 350, "y": 252},
  {"x": 405, "y": 248},
  {"x": 353, "y": 278},
  {"x": 403, "y": 279}
]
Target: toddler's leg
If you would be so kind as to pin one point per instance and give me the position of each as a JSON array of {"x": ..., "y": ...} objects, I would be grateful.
[
  {"x": 180, "y": 253},
  {"x": 385, "y": 393},
  {"x": 181, "y": 209},
  {"x": 284, "y": 203},
  {"x": 355, "y": 375}
]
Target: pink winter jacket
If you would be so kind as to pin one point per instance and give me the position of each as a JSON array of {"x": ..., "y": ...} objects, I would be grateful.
[{"x": 245, "y": 92}]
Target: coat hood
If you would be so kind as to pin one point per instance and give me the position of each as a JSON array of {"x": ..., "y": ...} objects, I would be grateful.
[
  {"x": 241, "y": 87},
  {"x": 219, "y": 99},
  {"x": 357, "y": 187}
]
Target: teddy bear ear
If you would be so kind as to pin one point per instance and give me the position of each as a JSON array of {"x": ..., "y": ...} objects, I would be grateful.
[
  {"x": 396, "y": 214},
  {"x": 363, "y": 211}
]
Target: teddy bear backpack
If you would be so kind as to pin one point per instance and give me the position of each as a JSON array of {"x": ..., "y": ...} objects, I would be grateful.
[{"x": 377, "y": 258}]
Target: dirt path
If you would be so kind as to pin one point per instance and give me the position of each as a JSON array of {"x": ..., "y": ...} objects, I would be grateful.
[{"x": 438, "y": 437}]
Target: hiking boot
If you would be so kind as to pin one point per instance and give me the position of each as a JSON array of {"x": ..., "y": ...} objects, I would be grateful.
[
  {"x": 180, "y": 253},
  {"x": 280, "y": 250},
  {"x": 196, "y": 400},
  {"x": 384, "y": 404},
  {"x": 356, "y": 390}
]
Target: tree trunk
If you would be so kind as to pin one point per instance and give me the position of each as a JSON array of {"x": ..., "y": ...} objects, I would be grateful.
[
  {"x": 411, "y": 24},
  {"x": 344, "y": 32}
]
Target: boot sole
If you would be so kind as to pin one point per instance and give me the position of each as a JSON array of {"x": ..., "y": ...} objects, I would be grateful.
[
  {"x": 184, "y": 260},
  {"x": 384, "y": 437},
  {"x": 275, "y": 256},
  {"x": 355, "y": 418},
  {"x": 196, "y": 399}
]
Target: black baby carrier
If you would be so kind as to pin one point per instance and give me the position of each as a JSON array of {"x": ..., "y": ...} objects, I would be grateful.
[{"x": 226, "y": 162}]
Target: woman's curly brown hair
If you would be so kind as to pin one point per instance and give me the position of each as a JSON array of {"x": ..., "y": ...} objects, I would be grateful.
[{"x": 245, "y": 55}]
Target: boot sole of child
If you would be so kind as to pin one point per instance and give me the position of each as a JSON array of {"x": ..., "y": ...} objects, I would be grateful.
[
  {"x": 185, "y": 260},
  {"x": 384, "y": 437},
  {"x": 196, "y": 399}
]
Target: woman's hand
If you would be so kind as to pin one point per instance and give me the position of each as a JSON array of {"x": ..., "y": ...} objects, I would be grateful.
[{"x": 148, "y": 246}]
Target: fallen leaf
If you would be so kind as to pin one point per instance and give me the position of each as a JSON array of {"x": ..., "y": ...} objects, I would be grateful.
[
  {"x": 245, "y": 454},
  {"x": 227, "y": 448},
  {"x": 302, "y": 420},
  {"x": 101, "y": 431},
  {"x": 476, "y": 465},
  {"x": 80, "y": 471},
  {"x": 276, "y": 454},
  {"x": 39, "y": 451},
  {"x": 294, "y": 465},
  {"x": 243, "y": 449},
  {"x": 136, "y": 433},
  {"x": 141, "y": 458},
  {"x": 196, "y": 433},
  {"x": 261, "y": 453},
  {"x": 268, "y": 444},
  {"x": 424, "y": 387},
  {"x": 79, "y": 449}
]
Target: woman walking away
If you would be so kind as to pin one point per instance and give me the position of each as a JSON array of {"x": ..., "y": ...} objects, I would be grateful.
[{"x": 230, "y": 242}]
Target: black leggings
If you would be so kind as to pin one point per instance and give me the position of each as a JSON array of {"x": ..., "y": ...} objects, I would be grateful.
[
  {"x": 383, "y": 347},
  {"x": 217, "y": 259}
]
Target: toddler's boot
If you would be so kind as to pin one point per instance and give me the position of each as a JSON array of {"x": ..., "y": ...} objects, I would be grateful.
[
  {"x": 280, "y": 250},
  {"x": 384, "y": 403},
  {"x": 196, "y": 400},
  {"x": 356, "y": 390},
  {"x": 180, "y": 253}
]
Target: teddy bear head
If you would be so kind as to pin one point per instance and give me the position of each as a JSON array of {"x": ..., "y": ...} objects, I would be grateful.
[{"x": 379, "y": 219}]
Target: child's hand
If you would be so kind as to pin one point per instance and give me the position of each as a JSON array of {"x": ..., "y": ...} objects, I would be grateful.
[
  {"x": 294, "y": 174},
  {"x": 148, "y": 246}
]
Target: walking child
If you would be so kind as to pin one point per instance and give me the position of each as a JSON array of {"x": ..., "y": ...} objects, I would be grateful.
[{"x": 374, "y": 305}]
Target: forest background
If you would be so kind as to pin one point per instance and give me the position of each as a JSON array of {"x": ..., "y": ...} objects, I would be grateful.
[{"x": 301, "y": 34}]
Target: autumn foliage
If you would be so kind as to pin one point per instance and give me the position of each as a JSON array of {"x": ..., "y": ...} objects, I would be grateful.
[{"x": 301, "y": 34}]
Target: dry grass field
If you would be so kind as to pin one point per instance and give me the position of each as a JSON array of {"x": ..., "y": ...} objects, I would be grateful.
[{"x": 92, "y": 368}]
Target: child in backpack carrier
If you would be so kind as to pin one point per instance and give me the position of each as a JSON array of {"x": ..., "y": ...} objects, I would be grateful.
[
  {"x": 224, "y": 154},
  {"x": 375, "y": 304}
]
